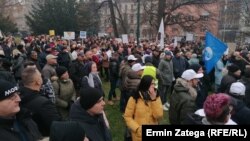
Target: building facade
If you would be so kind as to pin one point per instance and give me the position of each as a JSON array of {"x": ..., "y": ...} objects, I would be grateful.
[
  {"x": 17, "y": 12},
  {"x": 126, "y": 19}
]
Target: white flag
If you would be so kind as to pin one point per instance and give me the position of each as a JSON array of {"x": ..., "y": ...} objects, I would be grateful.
[
  {"x": 175, "y": 42},
  {"x": 161, "y": 35},
  {"x": 1, "y": 35}
]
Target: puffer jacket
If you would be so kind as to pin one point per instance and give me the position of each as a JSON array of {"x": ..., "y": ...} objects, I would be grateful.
[
  {"x": 182, "y": 102},
  {"x": 138, "y": 114},
  {"x": 132, "y": 80}
]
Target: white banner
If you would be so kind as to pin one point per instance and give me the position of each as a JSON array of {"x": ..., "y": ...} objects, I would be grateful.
[
  {"x": 83, "y": 34},
  {"x": 125, "y": 38},
  {"x": 69, "y": 35},
  {"x": 189, "y": 37},
  {"x": 119, "y": 40}
]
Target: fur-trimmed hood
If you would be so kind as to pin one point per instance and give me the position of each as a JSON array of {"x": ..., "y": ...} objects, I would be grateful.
[{"x": 183, "y": 85}]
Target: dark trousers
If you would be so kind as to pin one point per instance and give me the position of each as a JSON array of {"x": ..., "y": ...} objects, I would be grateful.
[
  {"x": 106, "y": 71},
  {"x": 125, "y": 95},
  {"x": 113, "y": 83},
  {"x": 164, "y": 90}
]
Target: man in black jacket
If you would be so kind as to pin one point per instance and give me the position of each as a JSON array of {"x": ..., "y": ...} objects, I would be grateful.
[
  {"x": 43, "y": 111},
  {"x": 76, "y": 71},
  {"x": 15, "y": 125},
  {"x": 89, "y": 112}
]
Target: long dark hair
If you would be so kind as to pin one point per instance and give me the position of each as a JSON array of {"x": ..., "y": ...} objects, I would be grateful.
[{"x": 143, "y": 88}]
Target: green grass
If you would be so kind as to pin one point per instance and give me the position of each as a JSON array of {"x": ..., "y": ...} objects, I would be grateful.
[{"x": 115, "y": 118}]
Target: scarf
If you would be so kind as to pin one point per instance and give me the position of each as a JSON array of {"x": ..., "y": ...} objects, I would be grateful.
[{"x": 91, "y": 80}]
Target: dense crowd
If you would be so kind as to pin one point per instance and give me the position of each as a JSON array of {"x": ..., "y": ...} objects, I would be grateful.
[{"x": 48, "y": 83}]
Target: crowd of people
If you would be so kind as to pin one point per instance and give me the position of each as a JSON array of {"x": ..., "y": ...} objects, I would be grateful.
[{"x": 50, "y": 86}]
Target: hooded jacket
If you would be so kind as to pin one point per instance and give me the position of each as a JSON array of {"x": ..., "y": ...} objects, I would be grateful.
[{"x": 182, "y": 102}]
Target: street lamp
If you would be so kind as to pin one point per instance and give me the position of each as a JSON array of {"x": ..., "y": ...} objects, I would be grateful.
[{"x": 138, "y": 23}]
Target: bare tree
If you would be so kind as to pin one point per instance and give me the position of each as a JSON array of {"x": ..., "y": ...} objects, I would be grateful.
[
  {"x": 9, "y": 3},
  {"x": 168, "y": 9},
  {"x": 113, "y": 20}
]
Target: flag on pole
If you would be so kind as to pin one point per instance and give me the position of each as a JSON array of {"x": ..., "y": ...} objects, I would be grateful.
[
  {"x": 213, "y": 51},
  {"x": 161, "y": 35},
  {"x": 175, "y": 42},
  {"x": 1, "y": 35}
]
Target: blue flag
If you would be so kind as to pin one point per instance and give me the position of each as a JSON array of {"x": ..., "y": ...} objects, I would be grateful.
[{"x": 213, "y": 51}]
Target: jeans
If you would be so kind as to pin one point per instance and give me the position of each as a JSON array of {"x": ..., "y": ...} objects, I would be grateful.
[{"x": 112, "y": 88}]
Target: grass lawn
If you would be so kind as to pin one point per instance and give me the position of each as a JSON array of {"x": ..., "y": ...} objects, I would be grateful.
[{"x": 115, "y": 118}]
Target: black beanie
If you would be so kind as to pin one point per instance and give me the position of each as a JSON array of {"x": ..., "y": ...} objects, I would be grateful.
[
  {"x": 233, "y": 68},
  {"x": 89, "y": 97},
  {"x": 7, "y": 89},
  {"x": 195, "y": 67},
  {"x": 148, "y": 59},
  {"x": 60, "y": 71}
]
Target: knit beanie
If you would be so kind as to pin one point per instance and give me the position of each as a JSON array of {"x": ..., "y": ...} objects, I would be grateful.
[
  {"x": 233, "y": 68},
  {"x": 214, "y": 105},
  {"x": 89, "y": 97},
  {"x": 60, "y": 71},
  {"x": 195, "y": 67},
  {"x": 148, "y": 59},
  {"x": 7, "y": 89}
]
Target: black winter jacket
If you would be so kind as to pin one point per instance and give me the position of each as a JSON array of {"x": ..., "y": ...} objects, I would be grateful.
[
  {"x": 43, "y": 111},
  {"x": 13, "y": 129},
  {"x": 94, "y": 126}
]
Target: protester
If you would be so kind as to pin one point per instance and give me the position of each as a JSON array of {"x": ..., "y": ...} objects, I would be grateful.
[
  {"x": 89, "y": 112},
  {"x": 92, "y": 79},
  {"x": 43, "y": 110},
  {"x": 182, "y": 100},
  {"x": 123, "y": 73},
  {"x": 167, "y": 73},
  {"x": 64, "y": 91},
  {"x": 217, "y": 109},
  {"x": 15, "y": 124},
  {"x": 48, "y": 70},
  {"x": 114, "y": 76},
  {"x": 240, "y": 112},
  {"x": 146, "y": 98},
  {"x": 202, "y": 90},
  {"x": 234, "y": 74}
]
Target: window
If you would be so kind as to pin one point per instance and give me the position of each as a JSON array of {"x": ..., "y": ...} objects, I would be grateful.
[
  {"x": 204, "y": 29},
  {"x": 132, "y": 19},
  {"x": 126, "y": 8},
  {"x": 204, "y": 17}
]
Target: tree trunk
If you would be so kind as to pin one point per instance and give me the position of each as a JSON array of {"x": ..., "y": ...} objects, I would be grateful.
[
  {"x": 161, "y": 11},
  {"x": 122, "y": 19},
  {"x": 111, "y": 7}
]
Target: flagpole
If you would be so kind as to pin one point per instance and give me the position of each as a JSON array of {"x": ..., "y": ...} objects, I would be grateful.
[{"x": 138, "y": 23}]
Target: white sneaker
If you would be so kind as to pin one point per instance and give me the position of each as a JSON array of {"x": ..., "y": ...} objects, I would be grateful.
[{"x": 165, "y": 108}]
